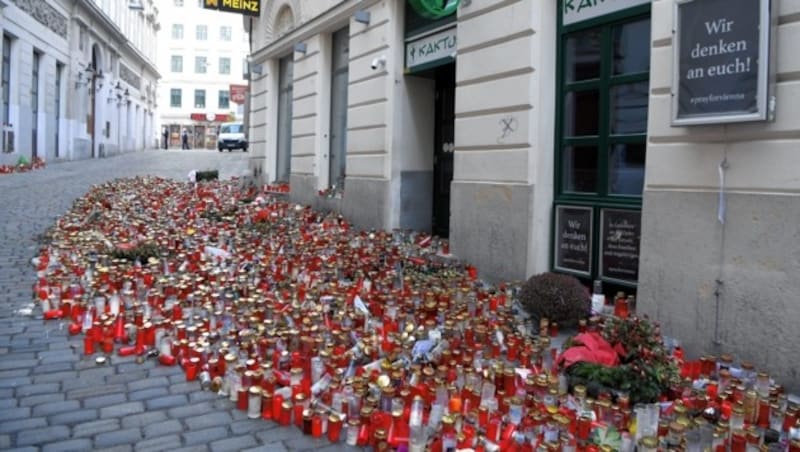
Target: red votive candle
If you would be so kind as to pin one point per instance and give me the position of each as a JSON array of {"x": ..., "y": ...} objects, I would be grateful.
[{"x": 334, "y": 428}]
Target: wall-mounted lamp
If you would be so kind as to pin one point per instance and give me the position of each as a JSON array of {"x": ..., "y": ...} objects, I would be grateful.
[
  {"x": 362, "y": 16},
  {"x": 82, "y": 80},
  {"x": 135, "y": 5},
  {"x": 300, "y": 47},
  {"x": 98, "y": 76}
]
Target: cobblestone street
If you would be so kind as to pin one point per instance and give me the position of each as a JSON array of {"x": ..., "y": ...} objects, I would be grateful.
[{"x": 52, "y": 397}]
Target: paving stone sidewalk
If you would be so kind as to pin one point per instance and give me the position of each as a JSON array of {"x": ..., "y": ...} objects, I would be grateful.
[{"x": 52, "y": 398}]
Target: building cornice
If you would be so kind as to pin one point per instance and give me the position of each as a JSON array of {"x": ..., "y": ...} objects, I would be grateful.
[
  {"x": 304, "y": 31},
  {"x": 119, "y": 39}
]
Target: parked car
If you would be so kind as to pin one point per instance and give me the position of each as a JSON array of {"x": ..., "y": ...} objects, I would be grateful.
[{"x": 231, "y": 136}]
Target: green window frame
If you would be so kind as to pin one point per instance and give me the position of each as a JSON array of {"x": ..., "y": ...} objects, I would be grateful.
[{"x": 590, "y": 137}]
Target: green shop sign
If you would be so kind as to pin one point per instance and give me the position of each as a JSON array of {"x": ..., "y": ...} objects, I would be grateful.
[
  {"x": 432, "y": 50},
  {"x": 434, "y": 9},
  {"x": 574, "y": 11}
]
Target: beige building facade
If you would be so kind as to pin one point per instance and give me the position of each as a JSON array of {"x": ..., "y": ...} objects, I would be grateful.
[{"x": 540, "y": 136}]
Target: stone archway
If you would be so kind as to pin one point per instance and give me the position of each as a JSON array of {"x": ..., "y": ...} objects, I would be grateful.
[{"x": 282, "y": 17}]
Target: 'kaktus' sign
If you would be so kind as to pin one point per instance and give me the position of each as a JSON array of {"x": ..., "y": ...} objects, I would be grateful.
[{"x": 721, "y": 57}]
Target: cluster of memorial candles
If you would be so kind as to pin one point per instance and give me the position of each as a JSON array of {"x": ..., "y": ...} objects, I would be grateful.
[{"x": 366, "y": 338}]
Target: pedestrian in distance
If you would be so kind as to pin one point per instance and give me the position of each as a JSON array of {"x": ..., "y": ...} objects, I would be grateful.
[
  {"x": 165, "y": 134},
  {"x": 185, "y": 139}
]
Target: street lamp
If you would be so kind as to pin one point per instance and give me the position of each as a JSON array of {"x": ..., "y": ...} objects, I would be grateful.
[{"x": 210, "y": 118}]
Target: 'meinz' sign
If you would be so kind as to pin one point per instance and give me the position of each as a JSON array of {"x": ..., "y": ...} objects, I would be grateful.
[
  {"x": 721, "y": 58},
  {"x": 246, "y": 7}
]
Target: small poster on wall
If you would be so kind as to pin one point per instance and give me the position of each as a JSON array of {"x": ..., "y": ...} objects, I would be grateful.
[
  {"x": 574, "y": 227},
  {"x": 620, "y": 234},
  {"x": 721, "y": 61}
]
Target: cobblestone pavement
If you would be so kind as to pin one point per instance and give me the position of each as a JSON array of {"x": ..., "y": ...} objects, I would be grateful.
[{"x": 51, "y": 396}]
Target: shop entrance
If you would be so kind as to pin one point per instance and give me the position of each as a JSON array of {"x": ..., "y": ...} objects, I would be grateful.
[
  {"x": 601, "y": 137},
  {"x": 444, "y": 139}
]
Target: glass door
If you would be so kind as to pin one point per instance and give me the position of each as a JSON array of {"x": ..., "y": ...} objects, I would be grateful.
[{"x": 444, "y": 138}]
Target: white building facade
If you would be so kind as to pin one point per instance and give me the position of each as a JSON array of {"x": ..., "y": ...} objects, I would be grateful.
[
  {"x": 202, "y": 54},
  {"x": 78, "y": 78},
  {"x": 539, "y": 136}
]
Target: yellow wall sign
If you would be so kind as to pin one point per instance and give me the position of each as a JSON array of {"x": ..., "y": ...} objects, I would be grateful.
[{"x": 247, "y": 7}]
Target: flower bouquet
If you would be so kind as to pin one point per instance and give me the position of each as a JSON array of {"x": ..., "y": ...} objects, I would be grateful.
[{"x": 632, "y": 360}]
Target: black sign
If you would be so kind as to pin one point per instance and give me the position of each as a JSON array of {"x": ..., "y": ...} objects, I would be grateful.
[
  {"x": 246, "y": 7},
  {"x": 620, "y": 232},
  {"x": 574, "y": 239},
  {"x": 719, "y": 74}
]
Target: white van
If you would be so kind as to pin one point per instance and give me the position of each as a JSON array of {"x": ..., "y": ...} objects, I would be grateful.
[{"x": 231, "y": 136}]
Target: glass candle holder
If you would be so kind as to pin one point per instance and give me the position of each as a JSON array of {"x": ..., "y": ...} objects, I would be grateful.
[
  {"x": 191, "y": 369},
  {"x": 738, "y": 441},
  {"x": 254, "y": 402},
  {"x": 305, "y": 421},
  {"x": 316, "y": 425},
  {"x": 266, "y": 405},
  {"x": 242, "y": 400},
  {"x": 285, "y": 416},
  {"x": 648, "y": 444},
  {"x": 334, "y": 428},
  {"x": 352, "y": 432},
  {"x": 762, "y": 385}
]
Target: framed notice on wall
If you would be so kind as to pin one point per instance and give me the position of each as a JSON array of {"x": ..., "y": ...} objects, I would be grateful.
[
  {"x": 720, "y": 61},
  {"x": 620, "y": 234},
  {"x": 573, "y": 250}
]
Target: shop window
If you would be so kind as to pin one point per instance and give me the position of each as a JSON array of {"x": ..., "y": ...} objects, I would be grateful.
[
  {"x": 601, "y": 145},
  {"x": 83, "y": 38},
  {"x": 57, "y": 89},
  {"x": 5, "y": 117},
  {"x": 339, "y": 81},
  {"x": 37, "y": 57},
  {"x": 285, "y": 94}
]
